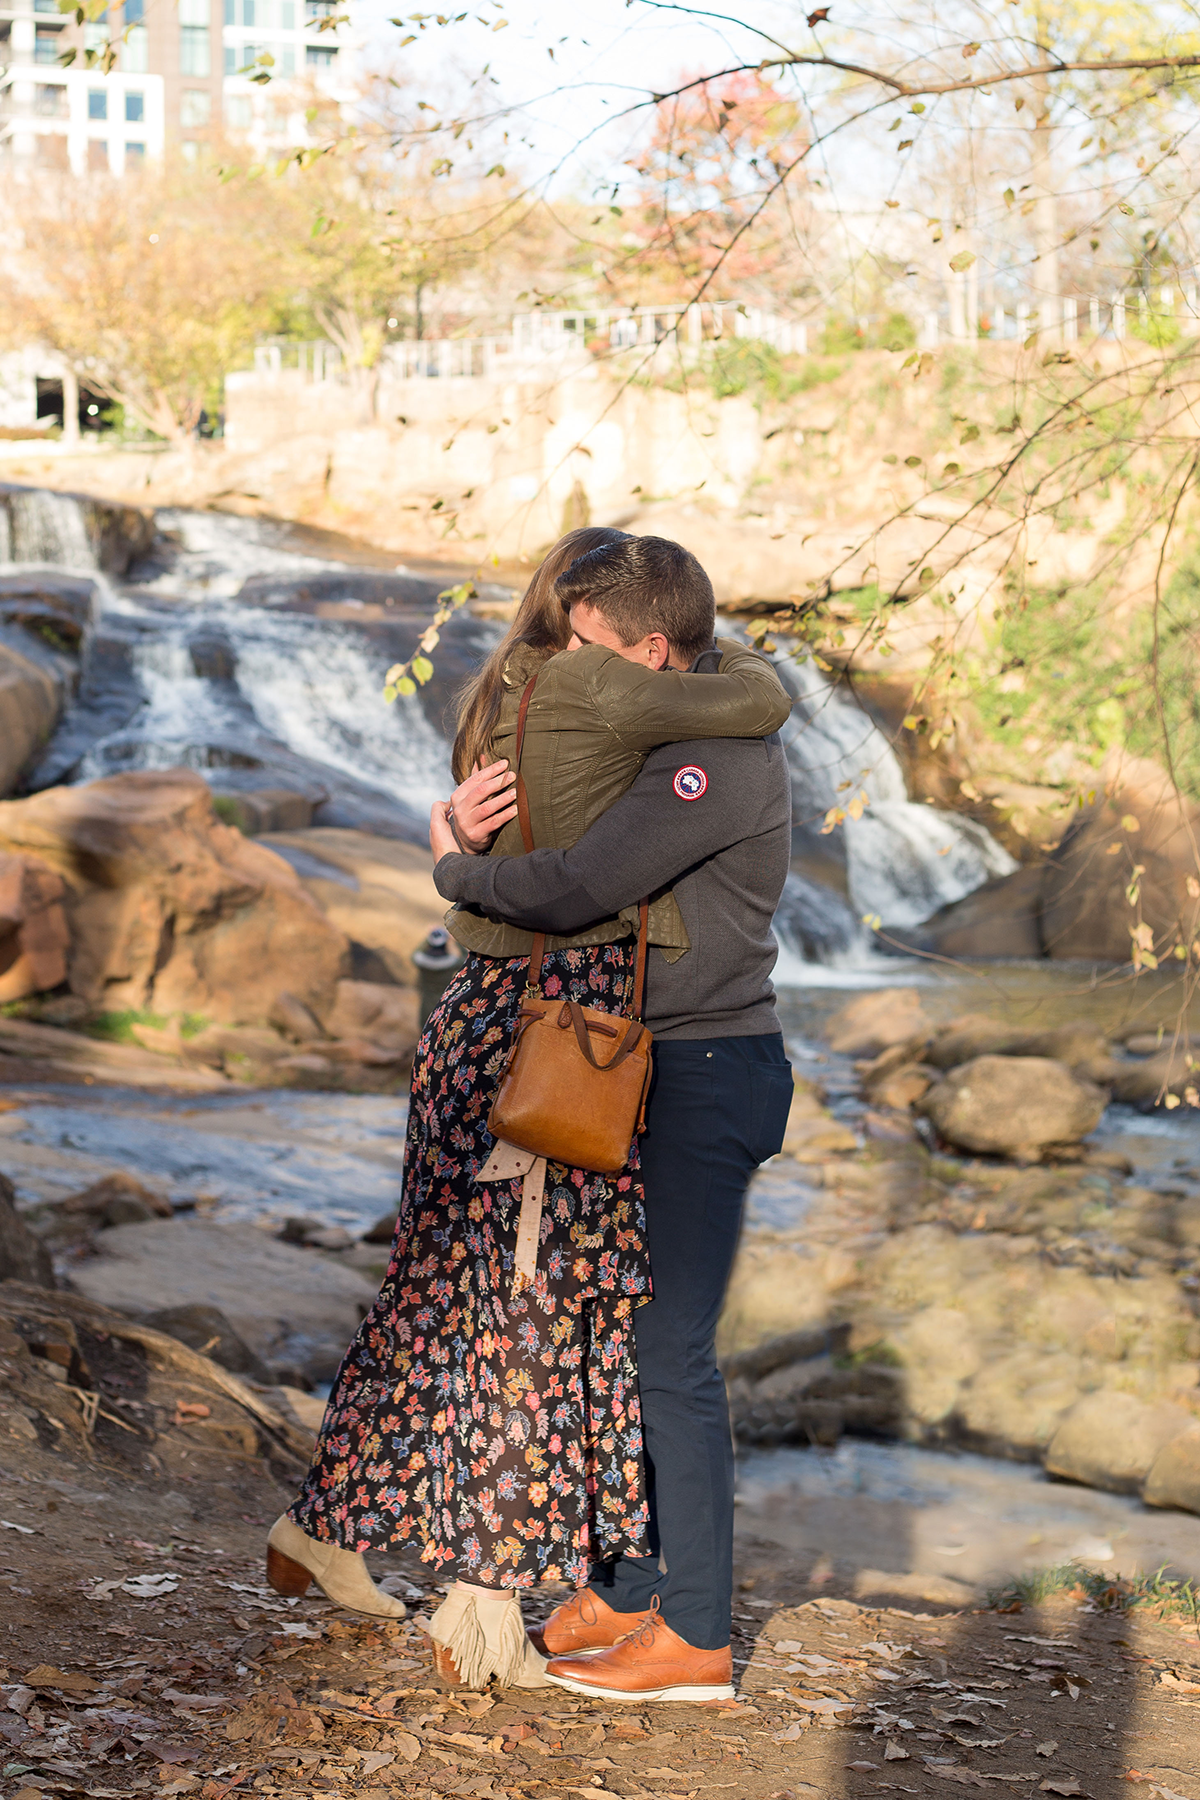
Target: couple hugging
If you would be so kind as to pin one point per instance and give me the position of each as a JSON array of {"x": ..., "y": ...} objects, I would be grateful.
[{"x": 566, "y": 1421}]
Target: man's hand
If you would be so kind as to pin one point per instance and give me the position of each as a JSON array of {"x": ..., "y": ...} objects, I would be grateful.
[{"x": 480, "y": 806}]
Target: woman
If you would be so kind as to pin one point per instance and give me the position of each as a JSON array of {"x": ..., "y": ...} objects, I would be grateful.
[{"x": 498, "y": 1428}]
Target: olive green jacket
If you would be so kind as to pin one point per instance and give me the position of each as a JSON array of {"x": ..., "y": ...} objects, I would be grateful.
[{"x": 592, "y": 720}]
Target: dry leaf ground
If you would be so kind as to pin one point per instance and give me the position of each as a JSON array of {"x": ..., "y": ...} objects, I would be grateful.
[{"x": 140, "y": 1653}]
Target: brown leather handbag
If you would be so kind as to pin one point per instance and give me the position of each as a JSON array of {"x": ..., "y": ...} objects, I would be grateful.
[{"x": 575, "y": 1085}]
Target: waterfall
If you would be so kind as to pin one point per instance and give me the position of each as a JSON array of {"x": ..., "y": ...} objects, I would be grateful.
[
  {"x": 38, "y": 526},
  {"x": 902, "y": 861}
]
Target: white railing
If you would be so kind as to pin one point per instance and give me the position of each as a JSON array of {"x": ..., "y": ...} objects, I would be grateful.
[{"x": 1062, "y": 320}]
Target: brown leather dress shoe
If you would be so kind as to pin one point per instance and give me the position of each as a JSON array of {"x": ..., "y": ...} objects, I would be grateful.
[
  {"x": 652, "y": 1663},
  {"x": 584, "y": 1622}
]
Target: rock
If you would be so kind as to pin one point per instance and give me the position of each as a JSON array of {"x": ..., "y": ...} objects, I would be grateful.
[
  {"x": 1002, "y": 1105},
  {"x": 1085, "y": 911},
  {"x": 1082, "y": 1046},
  {"x": 34, "y": 938},
  {"x": 382, "y": 1231},
  {"x": 379, "y": 892},
  {"x": 1014, "y": 1404},
  {"x": 308, "y": 1409},
  {"x": 30, "y": 703},
  {"x": 292, "y": 1017},
  {"x": 811, "y": 1134},
  {"x": 93, "y": 1058},
  {"x": 1000, "y": 919},
  {"x": 23, "y": 1256},
  {"x": 330, "y": 1237},
  {"x": 1143, "y": 1083},
  {"x": 1111, "y": 1440},
  {"x": 169, "y": 910},
  {"x": 872, "y": 1022},
  {"x": 116, "y": 1190},
  {"x": 207, "y": 1330},
  {"x": 1149, "y": 1043},
  {"x": 1174, "y": 1476},
  {"x": 1185, "y": 1223},
  {"x": 286, "y": 1304},
  {"x": 264, "y": 809},
  {"x": 939, "y": 1350},
  {"x": 384, "y": 1016},
  {"x": 902, "y": 1087},
  {"x": 45, "y": 525},
  {"x": 240, "y": 1050}
]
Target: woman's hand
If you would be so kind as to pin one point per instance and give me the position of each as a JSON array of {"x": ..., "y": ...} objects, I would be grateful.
[{"x": 480, "y": 806}]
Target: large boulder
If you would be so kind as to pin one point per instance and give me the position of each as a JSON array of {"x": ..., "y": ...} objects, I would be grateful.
[
  {"x": 1081, "y": 1046},
  {"x": 290, "y": 1306},
  {"x": 378, "y": 891},
  {"x": 30, "y": 702},
  {"x": 999, "y": 919},
  {"x": 1174, "y": 1475},
  {"x": 1139, "y": 820},
  {"x": 1006, "y": 1105},
  {"x": 874, "y": 1022},
  {"x": 34, "y": 938},
  {"x": 1112, "y": 1440},
  {"x": 169, "y": 909}
]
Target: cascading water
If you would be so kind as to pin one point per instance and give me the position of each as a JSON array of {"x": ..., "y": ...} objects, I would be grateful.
[
  {"x": 902, "y": 861},
  {"x": 231, "y": 652}
]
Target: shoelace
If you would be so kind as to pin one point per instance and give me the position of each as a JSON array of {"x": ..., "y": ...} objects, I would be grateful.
[{"x": 645, "y": 1634}]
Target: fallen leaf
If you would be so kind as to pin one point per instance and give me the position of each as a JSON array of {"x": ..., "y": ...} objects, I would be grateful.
[
  {"x": 862, "y": 1765},
  {"x": 893, "y": 1753},
  {"x": 949, "y": 1716},
  {"x": 1060, "y": 1784},
  {"x": 794, "y": 1731},
  {"x": 1169, "y": 1679},
  {"x": 172, "y": 1753},
  {"x": 149, "y": 1587},
  {"x": 1046, "y": 1749},
  {"x": 191, "y": 1409},
  {"x": 47, "y": 1676},
  {"x": 405, "y": 1745}
]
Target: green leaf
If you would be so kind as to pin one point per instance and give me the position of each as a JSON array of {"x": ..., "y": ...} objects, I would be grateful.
[
  {"x": 952, "y": 468},
  {"x": 422, "y": 668},
  {"x": 905, "y": 144},
  {"x": 496, "y": 169},
  {"x": 912, "y": 462},
  {"x": 405, "y": 686},
  {"x": 1009, "y": 196},
  {"x": 895, "y": 125},
  {"x": 962, "y": 261},
  {"x": 1125, "y": 207},
  {"x": 925, "y": 576}
]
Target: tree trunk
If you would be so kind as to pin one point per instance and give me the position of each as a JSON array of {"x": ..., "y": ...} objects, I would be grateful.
[{"x": 70, "y": 423}]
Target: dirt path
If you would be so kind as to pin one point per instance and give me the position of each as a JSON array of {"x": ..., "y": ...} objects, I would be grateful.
[{"x": 141, "y": 1653}]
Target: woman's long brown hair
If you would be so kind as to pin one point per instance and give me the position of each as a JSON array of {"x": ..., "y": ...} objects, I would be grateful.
[{"x": 542, "y": 624}]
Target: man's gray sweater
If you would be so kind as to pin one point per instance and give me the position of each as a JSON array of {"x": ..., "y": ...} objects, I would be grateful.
[{"x": 711, "y": 819}]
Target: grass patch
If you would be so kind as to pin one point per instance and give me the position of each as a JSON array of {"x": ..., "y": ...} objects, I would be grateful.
[
  {"x": 1113, "y": 1593},
  {"x": 228, "y": 810},
  {"x": 117, "y": 1027}
]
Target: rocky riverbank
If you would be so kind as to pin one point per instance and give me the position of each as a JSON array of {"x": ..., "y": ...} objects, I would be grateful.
[{"x": 1032, "y": 1301}]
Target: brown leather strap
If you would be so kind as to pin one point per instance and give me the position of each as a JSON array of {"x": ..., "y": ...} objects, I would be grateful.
[{"x": 628, "y": 1043}]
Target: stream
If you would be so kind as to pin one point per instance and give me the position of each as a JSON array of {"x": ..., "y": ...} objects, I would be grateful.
[{"x": 254, "y": 652}]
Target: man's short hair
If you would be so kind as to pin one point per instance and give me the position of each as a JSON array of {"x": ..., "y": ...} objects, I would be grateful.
[{"x": 645, "y": 584}]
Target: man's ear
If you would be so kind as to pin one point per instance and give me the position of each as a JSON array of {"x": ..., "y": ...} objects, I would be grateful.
[{"x": 658, "y": 650}]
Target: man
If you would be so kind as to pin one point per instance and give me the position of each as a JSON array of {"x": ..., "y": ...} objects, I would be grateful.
[{"x": 711, "y": 819}]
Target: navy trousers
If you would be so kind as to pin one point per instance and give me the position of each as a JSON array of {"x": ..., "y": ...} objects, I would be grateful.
[{"x": 718, "y": 1107}]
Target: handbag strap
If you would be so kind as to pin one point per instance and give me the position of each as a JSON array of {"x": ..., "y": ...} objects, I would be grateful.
[{"x": 537, "y": 950}]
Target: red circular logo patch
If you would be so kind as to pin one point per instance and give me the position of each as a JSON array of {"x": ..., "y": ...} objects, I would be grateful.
[{"x": 690, "y": 782}]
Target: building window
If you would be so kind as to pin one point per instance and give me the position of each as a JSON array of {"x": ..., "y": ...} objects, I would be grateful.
[
  {"x": 239, "y": 112},
  {"x": 191, "y": 150},
  {"x": 285, "y": 55},
  {"x": 135, "y": 108},
  {"x": 45, "y": 6},
  {"x": 229, "y": 13},
  {"x": 317, "y": 58},
  {"x": 97, "y": 158},
  {"x": 319, "y": 9},
  {"x": 95, "y": 33},
  {"x": 287, "y": 15},
  {"x": 50, "y": 102},
  {"x": 248, "y": 17},
  {"x": 195, "y": 108},
  {"x": 193, "y": 50},
  {"x": 97, "y": 103},
  {"x": 244, "y": 58},
  {"x": 194, "y": 56},
  {"x": 135, "y": 12},
  {"x": 45, "y": 46},
  {"x": 134, "y": 152},
  {"x": 135, "y": 53}
]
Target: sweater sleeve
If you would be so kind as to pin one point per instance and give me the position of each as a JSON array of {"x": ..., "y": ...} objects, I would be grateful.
[
  {"x": 645, "y": 841},
  {"x": 744, "y": 698}
]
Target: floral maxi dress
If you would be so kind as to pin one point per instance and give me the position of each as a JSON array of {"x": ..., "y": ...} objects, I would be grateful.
[{"x": 501, "y": 1433}]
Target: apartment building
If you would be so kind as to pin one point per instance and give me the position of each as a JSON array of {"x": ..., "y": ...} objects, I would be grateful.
[{"x": 182, "y": 78}]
